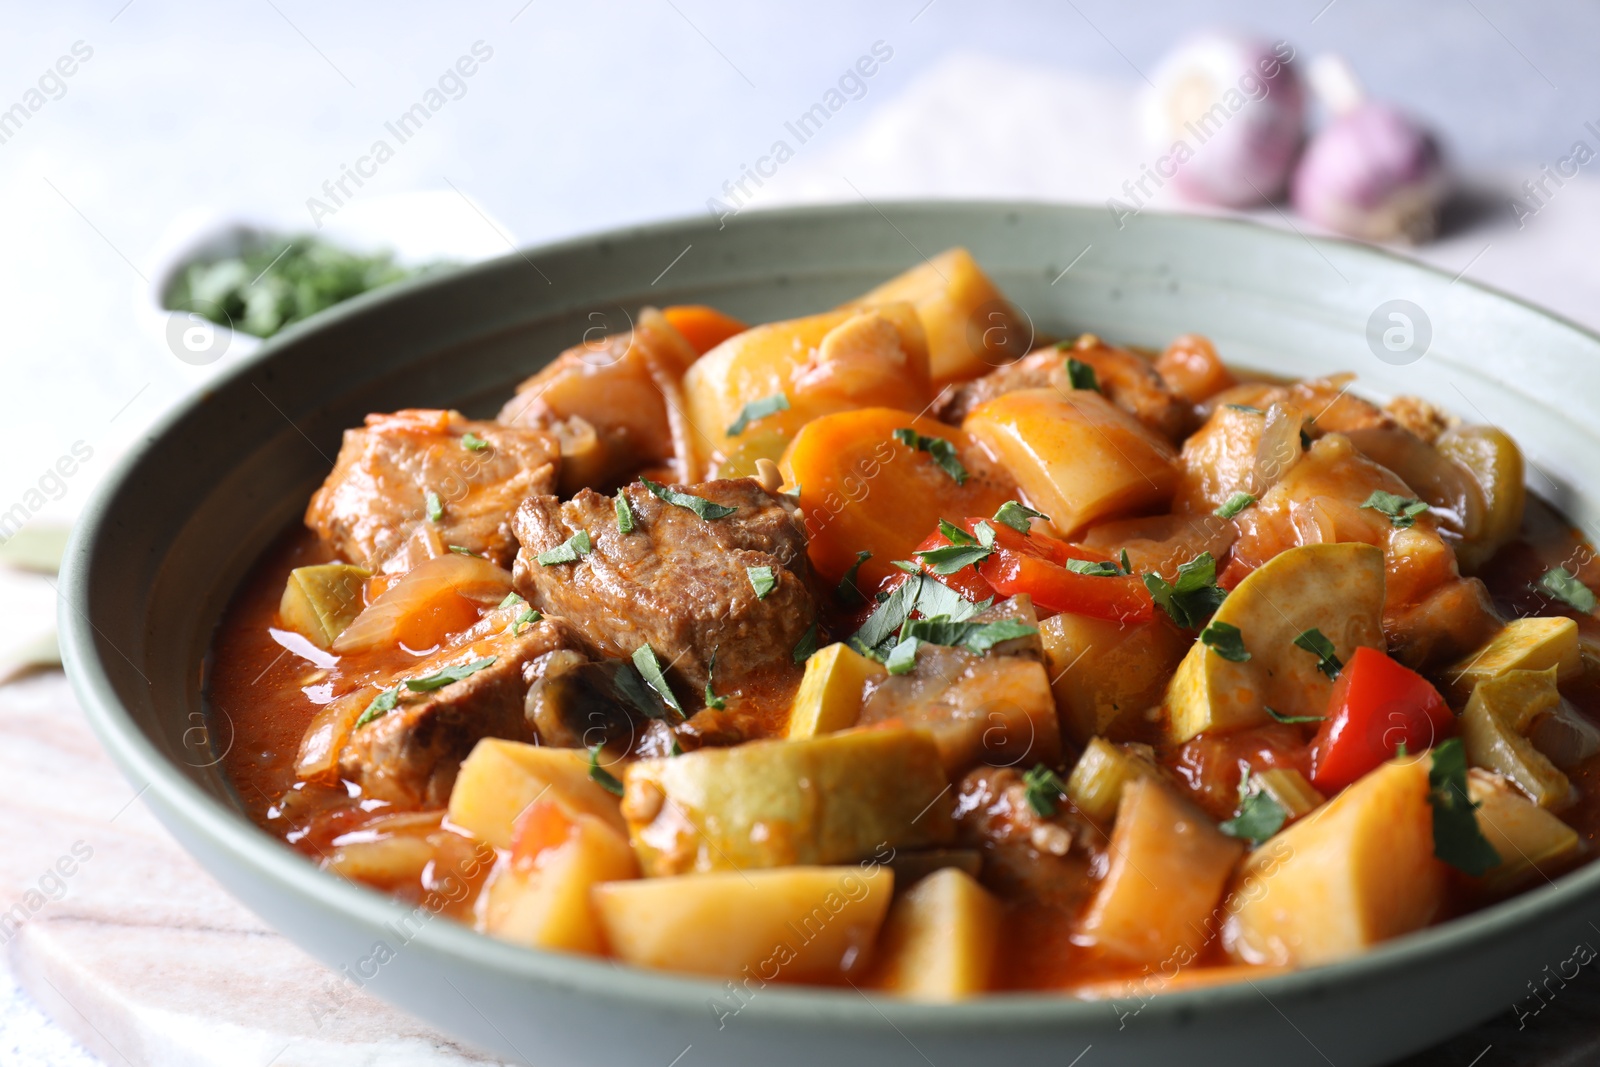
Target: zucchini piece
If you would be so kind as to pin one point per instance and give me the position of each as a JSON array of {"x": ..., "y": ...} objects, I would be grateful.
[
  {"x": 807, "y": 924},
  {"x": 319, "y": 602},
  {"x": 1533, "y": 644},
  {"x": 1168, "y": 865},
  {"x": 1493, "y": 726},
  {"x": 1532, "y": 843},
  {"x": 1496, "y": 465},
  {"x": 1336, "y": 588},
  {"x": 1331, "y": 886},
  {"x": 939, "y": 941},
  {"x": 830, "y": 694},
  {"x": 819, "y": 801},
  {"x": 1096, "y": 783}
]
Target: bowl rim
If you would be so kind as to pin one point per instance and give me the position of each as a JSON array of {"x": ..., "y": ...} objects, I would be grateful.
[{"x": 232, "y": 833}]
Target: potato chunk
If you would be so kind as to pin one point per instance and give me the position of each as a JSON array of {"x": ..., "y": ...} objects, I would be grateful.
[
  {"x": 939, "y": 940},
  {"x": 797, "y": 924},
  {"x": 501, "y": 778},
  {"x": 970, "y": 328},
  {"x": 1532, "y": 644},
  {"x": 1335, "y": 883},
  {"x": 1336, "y": 588},
  {"x": 1168, "y": 867},
  {"x": 1106, "y": 674},
  {"x": 1494, "y": 725},
  {"x": 823, "y": 800},
  {"x": 831, "y": 692},
  {"x": 544, "y": 901},
  {"x": 1532, "y": 843},
  {"x": 837, "y": 361},
  {"x": 1078, "y": 457}
]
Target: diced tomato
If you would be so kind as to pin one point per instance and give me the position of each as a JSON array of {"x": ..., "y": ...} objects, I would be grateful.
[
  {"x": 1035, "y": 564},
  {"x": 1212, "y": 764},
  {"x": 542, "y": 826},
  {"x": 1376, "y": 706}
]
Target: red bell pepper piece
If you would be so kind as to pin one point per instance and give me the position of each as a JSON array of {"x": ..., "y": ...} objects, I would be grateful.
[
  {"x": 1035, "y": 564},
  {"x": 1376, "y": 706}
]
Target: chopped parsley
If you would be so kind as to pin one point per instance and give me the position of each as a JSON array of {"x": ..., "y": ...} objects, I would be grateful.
[
  {"x": 1127, "y": 568},
  {"x": 951, "y": 558},
  {"x": 641, "y": 696},
  {"x": 624, "y": 513},
  {"x": 983, "y": 638},
  {"x": 758, "y": 409},
  {"x": 381, "y": 705},
  {"x": 1278, "y": 716},
  {"x": 1259, "y": 816},
  {"x": 511, "y": 601},
  {"x": 808, "y": 644},
  {"x": 571, "y": 550},
  {"x": 697, "y": 504},
  {"x": 847, "y": 585},
  {"x": 905, "y": 565},
  {"x": 1018, "y": 516},
  {"x": 1246, "y": 408},
  {"x": 712, "y": 700},
  {"x": 1402, "y": 510},
  {"x": 1191, "y": 599},
  {"x": 441, "y": 678},
  {"x": 926, "y": 596},
  {"x": 942, "y": 451},
  {"x": 463, "y": 550},
  {"x": 1316, "y": 642},
  {"x": 1226, "y": 641},
  {"x": 902, "y": 659},
  {"x": 649, "y": 668},
  {"x": 1561, "y": 584},
  {"x": 473, "y": 442},
  {"x": 763, "y": 580},
  {"x": 1457, "y": 837},
  {"x": 600, "y": 776},
  {"x": 1233, "y": 505},
  {"x": 1044, "y": 790},
  {"x": 1081, "y": 375},
  {"x": 1094, "y": 568},
  {"x": 434, "y": 505}
]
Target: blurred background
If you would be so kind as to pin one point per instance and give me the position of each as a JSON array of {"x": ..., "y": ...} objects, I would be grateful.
[{"x": 140, "y": 132}]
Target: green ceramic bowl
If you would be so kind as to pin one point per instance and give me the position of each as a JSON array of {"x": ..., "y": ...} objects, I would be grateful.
[{"x": 167, "y": 539}]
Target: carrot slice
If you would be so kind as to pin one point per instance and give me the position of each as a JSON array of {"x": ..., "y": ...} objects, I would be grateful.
[{"x": 703, "y": 327}]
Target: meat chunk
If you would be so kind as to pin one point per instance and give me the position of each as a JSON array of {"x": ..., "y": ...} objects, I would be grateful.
[
  {"x": 1326, "y": 401},
  {"x": 1026, "y": 855},
  {"x": 411, "y": 753},
  {"x": 394, "y": 475},
  {"x": 616, "y": 403},
  {"x": 677, "y": 582},
  {"x": 1127, "y": 380}
]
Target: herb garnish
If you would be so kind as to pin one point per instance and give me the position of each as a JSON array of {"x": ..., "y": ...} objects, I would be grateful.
[
  {"x": 1278, "y": 716},
  {"x": 463, "y": 550},
  {"x": 1094, "y": 568},
  {"x": 381, "y": 705},
  {"x": 1246, "y": 408},
  {"x": 1457, "y": 837},
  {"x": 1018, "y": 516},
  {"x": 441, "y": 678},
  {"x": 1561, "y": 584},
  {"x": 434, "y": 505},
  {"x": 1191, "y": 599},
  {"x": 905, "y": 565},
  {"x": 699, "y": 505},
  {"x": 902, "y": 659},
  {"x": 528, "y": 617},
  {"x": 511, "y": 600},
  {"x": 649, "y": 667},
  {"x": 942, "y": 451},
  {"x": 1044, "y": 790},
  {"x": 571, "y": 550},
  {"x": 763, "y": 580},
  {"x": 712, "y": 700},
  {"x": 600, "y": 776},
  {"x": 1233, "y": 505},
  {"x": 808, "y": 644},
  {"x": 1226, "y": 641},
  {"x": 1316, "y": 642},
  {"x": 1402, "y": 510},
  {"x": 1259, "y": 816},
  {"x": 926, "y": 596},
  {"x": 640, "y": 695},
  {"x": 472, "y": 441},
  {"x": 1081, "y": 376},
  {"x": 758, "y": 409},
  {"x": 624, "y": 513},
  {"x": 847, "y": 585}
]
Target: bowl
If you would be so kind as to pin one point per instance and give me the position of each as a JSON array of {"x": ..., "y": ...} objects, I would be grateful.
[{"x": 168, "y": 537}]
